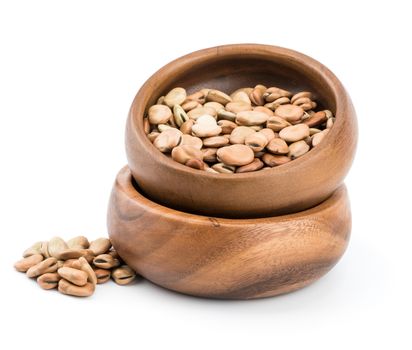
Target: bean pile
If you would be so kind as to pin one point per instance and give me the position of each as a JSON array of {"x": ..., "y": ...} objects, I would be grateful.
[
  {"x": 74, "y": 267},
  {"x": 252, "y": 129}
]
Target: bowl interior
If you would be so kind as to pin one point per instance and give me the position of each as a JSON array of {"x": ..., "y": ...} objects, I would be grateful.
[{"x": 230, "y": 72}]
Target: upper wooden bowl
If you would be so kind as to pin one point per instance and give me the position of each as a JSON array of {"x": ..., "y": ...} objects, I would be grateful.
[
  {"x": 226, "y": 258},
  {"x": 291, "y": 187}
]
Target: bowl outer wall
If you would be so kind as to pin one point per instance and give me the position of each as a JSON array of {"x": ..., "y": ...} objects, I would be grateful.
[
  {"x": 292, "y": 187},
  {"x": 226, "y": 258}
]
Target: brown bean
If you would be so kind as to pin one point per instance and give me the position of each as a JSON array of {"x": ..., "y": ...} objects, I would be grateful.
[
  {"x": 68, "y": 288},
  {"x": 274, "y": 160},
  {"x": 255, "y": 165},
  {"x": 24, "y": 264},
  {"x": 278, "y": 146},
  {"x": 49, "y": 280}
]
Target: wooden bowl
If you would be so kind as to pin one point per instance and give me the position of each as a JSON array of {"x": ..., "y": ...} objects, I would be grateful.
[
  {"x": 226, "y": 258},
  {"x": 292, "y": 187}
]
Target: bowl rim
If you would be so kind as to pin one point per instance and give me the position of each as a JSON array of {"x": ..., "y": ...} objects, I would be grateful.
[
  {"x": 137, "y": 109},
  {"x": 124, "y": 184}
]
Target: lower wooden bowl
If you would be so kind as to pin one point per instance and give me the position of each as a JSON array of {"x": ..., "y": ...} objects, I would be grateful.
[{"x": 226, "y": 258}]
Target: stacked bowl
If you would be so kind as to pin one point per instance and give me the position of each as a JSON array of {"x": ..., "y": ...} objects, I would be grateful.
[{"x": 237, "y": 236}]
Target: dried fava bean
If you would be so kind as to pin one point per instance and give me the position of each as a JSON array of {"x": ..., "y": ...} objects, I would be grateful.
[
  {"x": 218, "y": 96},
  {"x": 305, "y": 103},
  {"x": 195, "y": 164},
  {"x": 186, "y": 127},
  {"x": 317, "y": 138},
  {"x": 179, "y": 115},
  {"x": 102, "y": 275},
  {"x": 79, "y": 242},
  {"x": 215, "y": 141},
  {"x": 26, "y": 263},
  {"x": 65, "y": 287},
  {"x": 206, "y": 126},
  {"x": 289, "y": 112},
  {"x": 200, "y": 111},
  {"x": 300, "y": 95},
  {"x": 256, "y": 141},
  {"x": 274, "y": 93},
  {"x": 214, "y": 105},
  {"x": 241, "y": 96},
  {"x": 56, "y": 246},
  {"x": 189, "y": 105},
  {"x": 182, "y": 154},
  {"x": 176, "y": 96},
  {"x": 227, "y": 126},
  {"x": 277, "y": 123},
  {"x": 250, "y": 118},
  {"x": 33, "y": 250},
  {"x": 105, "y": 261},
  {"x": 298, "y": 149},
  {"x": 236, "y": 155},
  {"x": 237, "y": 107},
  {"x": 294, "y": 133},
  {"x": 45, "y": 266},
  {"x": 263, "y": 109},
  {"x": 273, "y": 160},
  {"x": 256, "y": 96},
  {"x": 255, "y": 165},
  {"x": 167, "y": 140},
  {"x": 239, "y": 134},
  {"x": 225, "y": 115},
  {"x": 159, "y": 114},
  {"x": 75, "y": 276},
  {"x": 275, "y": 104},
  {"x": 123, "y": 275},
  {"x": 278, "y": 146},
  {"x": 48, "y": 280},
  {"x": 194, "y": 141},
  {"x": 316, "y": 119}
]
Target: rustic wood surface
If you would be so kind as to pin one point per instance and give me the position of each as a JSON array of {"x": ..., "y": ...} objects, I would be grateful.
[
  {"x": 226, "y": 258},
  {"x": 292, "y": 187}
]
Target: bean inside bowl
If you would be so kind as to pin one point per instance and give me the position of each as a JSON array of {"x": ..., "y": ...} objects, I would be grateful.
[{"x": 292, "y": 187}]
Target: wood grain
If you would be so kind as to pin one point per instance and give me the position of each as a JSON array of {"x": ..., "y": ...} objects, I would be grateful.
[
  {"x": 226, "y": 258},
  {"x": 292, "y": 187}
]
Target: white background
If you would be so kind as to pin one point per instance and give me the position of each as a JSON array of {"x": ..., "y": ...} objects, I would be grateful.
[{"x": 68, "y": 73}]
